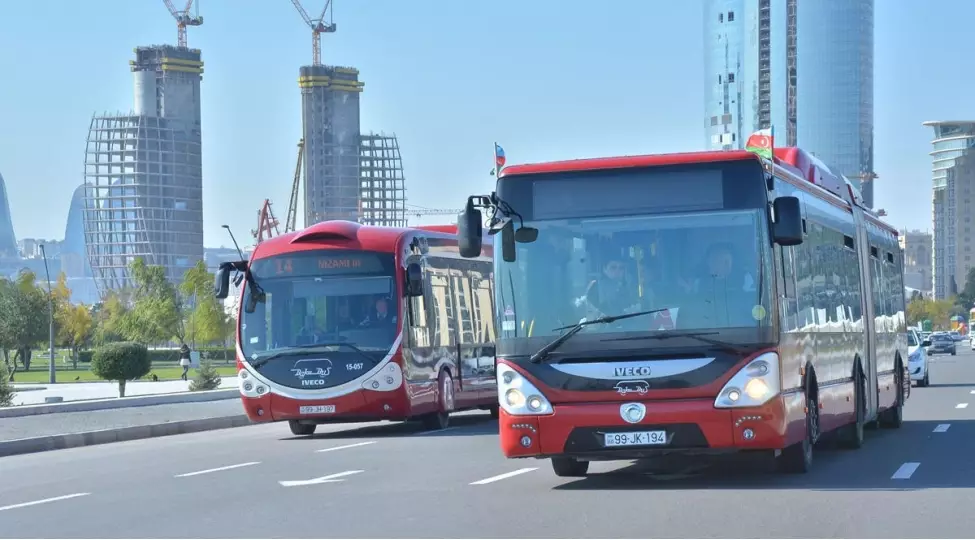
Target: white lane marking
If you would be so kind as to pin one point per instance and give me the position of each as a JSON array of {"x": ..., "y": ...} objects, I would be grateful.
[
  {"x": 42, "y": 501},
  {"x": 346, "y": 446},
  {"x": 961, "y": 406},
  {"x": 439, "y": 430},
  {"x": 905, "y": 471},
  {"x": 503, "y": 476},
  {"x": 941, "y": 428},
  {"x": 218, "y": 469},
  {"x": 972, "y": 392},
  {"x": 337, "y": 477}
]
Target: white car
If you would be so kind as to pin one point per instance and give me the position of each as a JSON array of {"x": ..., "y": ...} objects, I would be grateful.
[{"x": 917, "y": 358}]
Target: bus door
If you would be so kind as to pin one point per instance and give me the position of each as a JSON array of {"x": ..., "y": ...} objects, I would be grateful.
[{"x": 869, "y": 357}]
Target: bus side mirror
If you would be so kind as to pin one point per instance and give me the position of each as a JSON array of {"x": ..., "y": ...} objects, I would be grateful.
[
  {"x": 787, "y": 228},
  {"x": 469, "y": 231},
  {"x": 221, "y": 283},
  {"x": 414, "y": 280}
]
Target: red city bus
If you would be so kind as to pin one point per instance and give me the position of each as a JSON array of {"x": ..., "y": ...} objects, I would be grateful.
[
  {"x": 688, "y": 304},
  {"x": 342, "y": 322}
]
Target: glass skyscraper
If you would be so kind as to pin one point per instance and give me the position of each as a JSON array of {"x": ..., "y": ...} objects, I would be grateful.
[
  {"x": 835, "y": 86},
  {"x": 805, "y": 69}
]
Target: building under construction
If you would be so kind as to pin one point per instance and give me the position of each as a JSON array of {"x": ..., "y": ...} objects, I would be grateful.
[
  {"x": 382, "y": 188},
  {"x": 143, "y": 172}
]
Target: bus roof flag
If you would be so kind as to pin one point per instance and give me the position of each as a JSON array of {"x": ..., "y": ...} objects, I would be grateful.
[
  {"x": 498, "y": 157},
  {"x": 761, "y": 142}
]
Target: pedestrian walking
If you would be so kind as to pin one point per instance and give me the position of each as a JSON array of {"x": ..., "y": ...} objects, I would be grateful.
[{"x": 184, "y": 360}]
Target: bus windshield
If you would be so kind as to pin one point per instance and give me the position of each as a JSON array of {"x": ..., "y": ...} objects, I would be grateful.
[
  {"x": 333, "y": 312},
  {"x": 713, "y": 269}
]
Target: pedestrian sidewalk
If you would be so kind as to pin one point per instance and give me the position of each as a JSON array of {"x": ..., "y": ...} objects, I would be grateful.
[{"x": 33, "y": 394}]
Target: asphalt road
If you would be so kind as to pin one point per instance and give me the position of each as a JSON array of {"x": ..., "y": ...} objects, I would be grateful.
[{"x": 393, "y": 480}]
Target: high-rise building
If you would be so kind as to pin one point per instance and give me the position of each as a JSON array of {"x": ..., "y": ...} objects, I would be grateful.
[
  {"x": 953, "y": 186},
  {"x": 917, "y": 260},
  {"x": 330, "y": 124},
  {"x": 749, "y": 69},
  {"x": 805, "y": 69},
  {"x": 8, "y": 241},
  {"x": 835, "y": 87},
  {"x": 143, "y": 172}
]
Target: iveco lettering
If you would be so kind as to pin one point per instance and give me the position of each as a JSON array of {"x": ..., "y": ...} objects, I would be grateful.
[
  {"x": 342, "y": 322},
  {"x": 699, "y": 303}
]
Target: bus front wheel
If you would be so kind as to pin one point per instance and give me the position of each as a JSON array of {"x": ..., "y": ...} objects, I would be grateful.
[
  {"x": 298, "y": 428},
  {"x": 569, "y": 467},
  {"x": 441, "y": 418}
]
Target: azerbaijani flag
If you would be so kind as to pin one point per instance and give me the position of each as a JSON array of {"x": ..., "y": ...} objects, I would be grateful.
[
  {"x": 498, "y": 156},
  {"x": 761, "y": 142}
]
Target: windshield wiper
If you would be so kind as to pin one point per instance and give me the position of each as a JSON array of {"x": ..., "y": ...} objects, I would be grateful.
[
  {"x": 543, "y": 353},
  {"x": 301, "y": 349},
  {"x": 723, "y": 345}
]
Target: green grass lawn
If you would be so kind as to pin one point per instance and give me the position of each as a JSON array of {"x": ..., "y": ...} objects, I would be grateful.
[{"x": 37, "y": 375}]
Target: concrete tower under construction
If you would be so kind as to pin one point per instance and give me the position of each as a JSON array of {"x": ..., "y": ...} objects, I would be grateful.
[
  {"x": 143, "y": 172},
  {"x": 330, "y": 124}
]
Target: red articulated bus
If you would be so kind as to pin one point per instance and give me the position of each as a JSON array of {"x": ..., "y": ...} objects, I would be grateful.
[
  {"x": 699, "y": 303},
  {"x": 342, "y": 322}
]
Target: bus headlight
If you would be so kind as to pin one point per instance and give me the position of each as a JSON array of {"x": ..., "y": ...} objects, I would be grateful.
[
  {"x": 518, "y": 396},
  {"x": 753, "y": 385}
]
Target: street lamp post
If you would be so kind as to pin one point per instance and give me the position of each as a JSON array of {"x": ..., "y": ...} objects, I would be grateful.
[{"x": 51, "y": 368}]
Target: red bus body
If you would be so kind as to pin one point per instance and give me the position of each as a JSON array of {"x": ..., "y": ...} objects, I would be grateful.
[
  {"x": 830, "y": 332},
  {"x": 403, "y": 381}
]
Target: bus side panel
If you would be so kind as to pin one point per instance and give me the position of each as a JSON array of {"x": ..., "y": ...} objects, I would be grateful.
[
  {"x": 887, "y": 283},
  {"x": 824, "y": 328}
]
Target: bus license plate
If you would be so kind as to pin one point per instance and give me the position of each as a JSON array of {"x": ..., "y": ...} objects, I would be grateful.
[
  {"x": 316, "y": 409},
  {"x": 635, "y": 438}
]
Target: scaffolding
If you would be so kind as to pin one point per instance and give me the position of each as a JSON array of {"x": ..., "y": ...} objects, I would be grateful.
[{"x": 382, "y": 186}]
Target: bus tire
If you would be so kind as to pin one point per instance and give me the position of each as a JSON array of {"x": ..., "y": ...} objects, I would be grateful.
[
  {"x": 851, "y": 435},
  {"x": 495, "y": 411},
  {"x": 798, "y": 458},
  {"x": 569, "y": 467},
  {"x": 893, "y": 417},
  {"x": 445, "y": 403},
  {"x": 300, "y": 429}
]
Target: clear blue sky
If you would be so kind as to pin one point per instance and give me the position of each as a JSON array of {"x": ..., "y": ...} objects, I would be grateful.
[{"x": 547, "y": 79}]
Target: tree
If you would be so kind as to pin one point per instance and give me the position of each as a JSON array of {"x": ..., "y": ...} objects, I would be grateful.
[
  {"x": 111, "y": 319},
  {"x": 206, "y": 321},
  {"x": 76, "y": 328},
  {"x": 207, "y": 378},
  {"x": 966, "y": 297},
  {"x": 156, "y": 314},
  {"x": 6, "y": 389},
  {"x": 939, "y": 312},
  {"x": 122, "y": 361},
  {"x": 24, "y": 321}
]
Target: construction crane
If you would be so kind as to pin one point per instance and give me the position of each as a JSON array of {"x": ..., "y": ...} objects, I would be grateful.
[
  {"x": 183, "y": 19},
  {"x": 291, "y": 222},
  {"x": 318, "y": 26},
  {"x": 267, "y": 224}
]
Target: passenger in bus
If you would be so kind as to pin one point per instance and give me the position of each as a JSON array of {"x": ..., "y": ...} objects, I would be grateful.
[
  {"x": 722, "y": 293},
  {"x": 611, "y": 293}
]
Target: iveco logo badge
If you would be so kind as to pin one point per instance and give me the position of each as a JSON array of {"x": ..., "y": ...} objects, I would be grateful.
[
  {"x": 632, "y": 371},
  {"x": 633, "y": 412}
]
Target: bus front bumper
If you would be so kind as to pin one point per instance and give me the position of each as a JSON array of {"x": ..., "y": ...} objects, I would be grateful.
[{"x": 597, "y": 430}]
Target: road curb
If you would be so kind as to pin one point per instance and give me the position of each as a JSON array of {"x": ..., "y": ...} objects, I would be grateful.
[
  {"x": 88, "y": 438},
  {"x": 119, "y": 403}
]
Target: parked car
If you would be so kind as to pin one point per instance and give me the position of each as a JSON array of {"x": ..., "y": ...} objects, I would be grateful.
[
  {"x": 917, "y": 358},
  {"x": 941, "y": 342}
]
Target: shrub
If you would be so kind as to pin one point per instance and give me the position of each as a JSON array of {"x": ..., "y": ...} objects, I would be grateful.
[
  {"x": 206, "y": 378},
  {"x": 6, "y": 389},
  {"x": 122, "y": 361}
]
